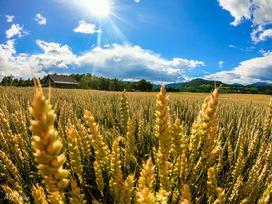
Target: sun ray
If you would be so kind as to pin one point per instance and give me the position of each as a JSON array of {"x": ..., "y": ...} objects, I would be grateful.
[{"x": 118, "y": 32}]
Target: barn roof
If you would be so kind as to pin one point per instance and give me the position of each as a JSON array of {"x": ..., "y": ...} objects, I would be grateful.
[{"x": 62, "y": 79}]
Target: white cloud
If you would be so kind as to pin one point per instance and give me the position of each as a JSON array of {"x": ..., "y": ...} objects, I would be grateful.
[
  {"x": 9, "y": 18},
  {"x": 254, "y": 34},
  {"x": 260, "y": 34},
  {"x": 262, "y": 12},
  {"x": 125, "y": 61},
  {"x": 122, "y": 61},
  {"x": 54, "y": 54},
  {"x": 248, "y": 71},
  {"x": 12, "y": 63},
  {"x": 259, "y": 12},
  {"x": 15, "y": 30},
  {"x": 239, "y": 9},
  {"x": 136, "y": 1},
  {"x": 265, "y": 34},
  {"x": 25, "y": 65},
  {"x": 41, "y": 20},
  {"x": 220, "y": 64},
  {"x": 87, "y": 28}
]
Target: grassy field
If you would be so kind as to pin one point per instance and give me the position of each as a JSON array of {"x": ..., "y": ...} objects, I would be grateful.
[{"x": 86, "y": 146}]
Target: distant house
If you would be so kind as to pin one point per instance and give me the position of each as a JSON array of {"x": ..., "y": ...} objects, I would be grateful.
[{"x": 60, "y": 81}]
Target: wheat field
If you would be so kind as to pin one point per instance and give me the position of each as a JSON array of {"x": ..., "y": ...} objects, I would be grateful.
[{"x": 82, "y": 146}]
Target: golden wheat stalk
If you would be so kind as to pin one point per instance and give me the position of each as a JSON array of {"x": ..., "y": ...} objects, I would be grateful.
[
  {"x": 221, "y": 196},
  {"x": 267, "y": 121},
  {"x": 39, "y": 195},
  {"x": 144, "y": 191},
  {"x": 162, "y": 132},
  {"x": 236, "y": 189},
  {"x": 116, "y": 181},
  {"x": 130, "y": 147},
  {"x": 99, "y": 176},
  {"x": 203, "y": 137},
  {"x": 121, "y": 189},
  {"x": 101, "y": 149},
  {"x": 74, "y": 154},
  {"x": 45, "y": 143},
  {"x": 145, "y": 196},
  {"x": 85, "y": 142},
  {"x": 76, "y": 196},
  {"x": 212, "y": 183},
  {"x": 266, "y": 196},
  {"x": 13, "y": 195},
  {"x": 10, "y": 166},
  {"x": 124, "y": 110}
]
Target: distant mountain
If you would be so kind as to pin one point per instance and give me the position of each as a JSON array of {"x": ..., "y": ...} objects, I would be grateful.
[
  {"x": 203, "y": 85},
  {"x": 260, "y": 84},
  {"x": 198, "y": 82},
  {"x": 236, "y": 84}
]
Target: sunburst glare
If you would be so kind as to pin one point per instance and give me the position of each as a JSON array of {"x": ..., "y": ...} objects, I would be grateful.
[{"x": 100, "y": 8}]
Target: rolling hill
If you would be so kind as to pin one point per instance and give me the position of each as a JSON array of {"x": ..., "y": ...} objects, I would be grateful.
[{"x": 203, "y": 85}]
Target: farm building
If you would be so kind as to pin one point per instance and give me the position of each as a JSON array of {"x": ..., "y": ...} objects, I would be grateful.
[{"x": 60, "y": 81}]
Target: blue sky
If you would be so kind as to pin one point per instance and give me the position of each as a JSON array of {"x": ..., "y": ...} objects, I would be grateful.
[{"x": 161, "y": 41}]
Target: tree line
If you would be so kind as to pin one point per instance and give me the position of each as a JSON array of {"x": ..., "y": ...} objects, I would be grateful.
[
  {"x": 90, "y": 81},
  {"x": 87, "y": 81}
]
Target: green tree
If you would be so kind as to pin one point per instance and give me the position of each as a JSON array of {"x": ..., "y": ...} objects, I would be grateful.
[
  {"x": 7, "y": 80},
  {"x": 144, "y": 85}
]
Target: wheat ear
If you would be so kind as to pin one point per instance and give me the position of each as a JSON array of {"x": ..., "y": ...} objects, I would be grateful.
[{"x": 45, "y": 143}]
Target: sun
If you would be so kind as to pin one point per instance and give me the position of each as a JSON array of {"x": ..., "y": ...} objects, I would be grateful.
[{"x": 101, "y": 8}]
